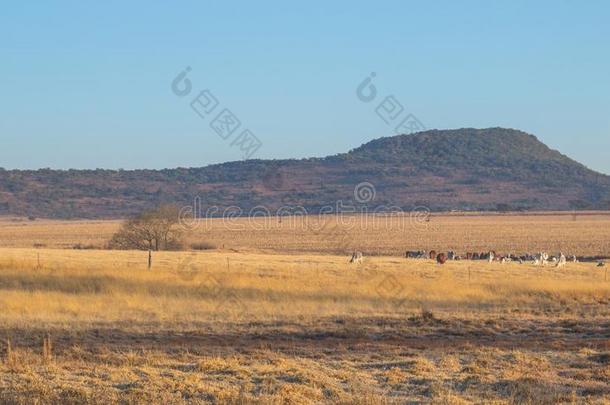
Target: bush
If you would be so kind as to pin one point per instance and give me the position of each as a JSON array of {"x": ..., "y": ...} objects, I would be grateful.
[
  {"x": 80, "y": 246},
  {"x": 151, "y": 230},
  {"x": 202, "y": 246}
]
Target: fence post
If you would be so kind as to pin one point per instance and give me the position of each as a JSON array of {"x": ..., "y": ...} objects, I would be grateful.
[{"x": 47, "y": 348}]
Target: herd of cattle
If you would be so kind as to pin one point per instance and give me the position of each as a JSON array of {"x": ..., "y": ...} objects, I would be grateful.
[{"x": 538, "y": 259}]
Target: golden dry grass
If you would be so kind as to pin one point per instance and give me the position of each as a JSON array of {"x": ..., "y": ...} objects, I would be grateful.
[
  {"x": 19, "y": 232},
  {"x": 187, "y": 286},
  {"x": 276, "y": 316},
  {"x": 252, "y": 327},
  {"x": 585, "y": 233}
]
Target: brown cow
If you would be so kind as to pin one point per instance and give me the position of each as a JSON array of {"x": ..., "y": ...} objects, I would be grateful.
[
  {"x": 432, "y": 254},
  {"x": 441, "y": 258}
]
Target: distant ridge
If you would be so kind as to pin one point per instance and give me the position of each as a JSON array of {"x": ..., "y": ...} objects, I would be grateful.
[{"x": 462, "y": 169}]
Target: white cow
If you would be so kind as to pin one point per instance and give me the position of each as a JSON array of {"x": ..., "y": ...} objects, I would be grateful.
[
  {"x": 562, "y": 260},
  {"x": 541, "y": 259}
]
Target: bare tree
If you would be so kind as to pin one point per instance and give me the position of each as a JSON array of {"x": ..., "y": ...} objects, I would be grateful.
[{"x": 156, "y": 229}]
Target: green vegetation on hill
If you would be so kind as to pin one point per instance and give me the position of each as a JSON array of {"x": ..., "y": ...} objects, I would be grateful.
[{"x": 483, "y": 169}]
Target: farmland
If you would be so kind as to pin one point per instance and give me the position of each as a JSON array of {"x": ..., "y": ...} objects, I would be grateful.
[
  {"x": 279, "y": 316},
  {"x": 582, "y": 233}
]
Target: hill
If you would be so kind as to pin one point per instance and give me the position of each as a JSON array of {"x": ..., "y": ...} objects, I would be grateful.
[{"x": 463, "y": 169}]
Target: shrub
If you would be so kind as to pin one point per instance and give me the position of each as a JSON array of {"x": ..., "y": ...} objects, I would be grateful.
[
  {"x": 80, "y": 246},
  {"x": 202, "y": 245},
  {"x": 156, "y": 229}
]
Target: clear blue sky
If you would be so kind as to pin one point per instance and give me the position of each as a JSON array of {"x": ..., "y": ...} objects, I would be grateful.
[{"x": 87, "y": 84}]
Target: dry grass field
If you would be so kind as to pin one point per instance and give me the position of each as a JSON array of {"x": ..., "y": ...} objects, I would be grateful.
[
  {"x": 276, "y": 317},
  {"x": 583, "y": 233}
]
